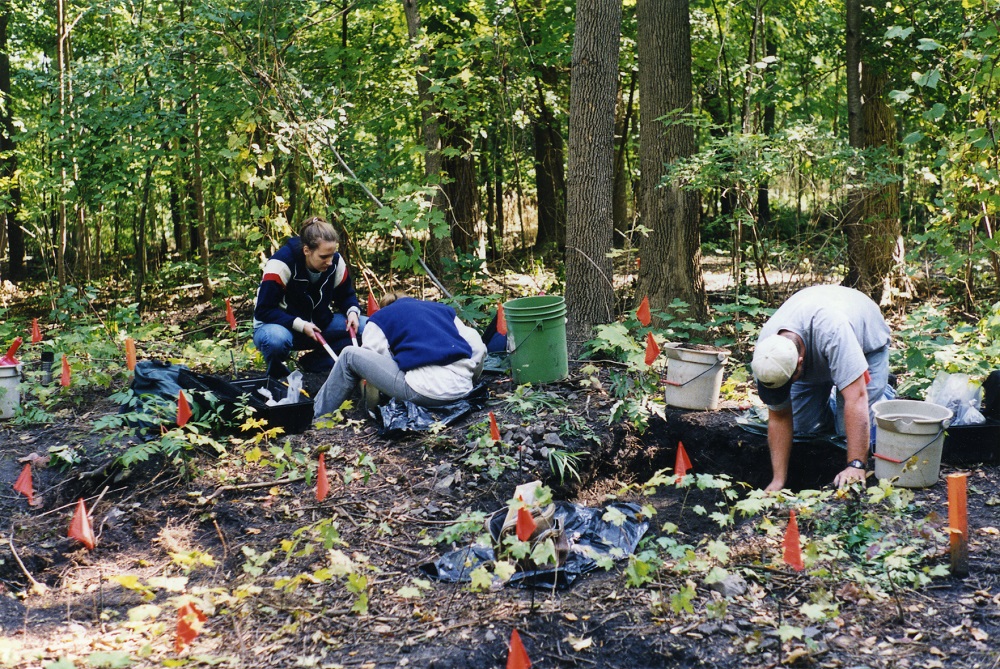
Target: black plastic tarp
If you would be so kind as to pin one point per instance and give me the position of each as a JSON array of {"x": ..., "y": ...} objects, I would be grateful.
[{"x": 590, "y": 538}]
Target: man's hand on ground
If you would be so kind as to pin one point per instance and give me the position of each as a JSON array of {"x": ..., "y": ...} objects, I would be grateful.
[{"x": 848, "y": 476}]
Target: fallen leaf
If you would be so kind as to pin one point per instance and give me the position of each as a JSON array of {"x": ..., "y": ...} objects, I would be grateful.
[
  {"x": 978, "y": 634},
  {"x": 578, "y": 643},
  {"x": 795, "y": 654}
]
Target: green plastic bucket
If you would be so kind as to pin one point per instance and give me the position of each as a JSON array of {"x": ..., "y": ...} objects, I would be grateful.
[{"x": 536, "y": 338}]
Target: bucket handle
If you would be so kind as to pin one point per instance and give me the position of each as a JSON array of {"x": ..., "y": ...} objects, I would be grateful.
[
  {"x": 539, "y": 326},
  {"x": 695, "y": 378},
  {"x": 914, "y": 454}
]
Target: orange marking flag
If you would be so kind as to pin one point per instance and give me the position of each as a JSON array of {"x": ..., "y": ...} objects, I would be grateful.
[
  {"x": 642, "y": 313},
  {"x": 652, "y": 350},
  {"x": 322, "y": 480},
  {"x": 36, "y": 333},
  {"x": 230, "y": 316},
  {"x": 793, "y": 550},
  {"x": 183, "y": 410},
  {"x": 517, "y": 656},
  {"x": 23, "y": 484},
  {"x": 372, "y": 304},
  {"x": 189, "y": 623},
  {"x": 682, "y": 463},
  {"x": 526, "y": 525},
  {"x": 64, "y": 379},
  {"x": 494, "y": 428},
  {"x": 80, "y": 527},
  {"x": 501, "y": 321},
  {"x": 130, "y": 353}
]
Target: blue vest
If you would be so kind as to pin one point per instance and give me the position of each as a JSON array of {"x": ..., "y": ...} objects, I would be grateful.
[{"x": 421, "y": 333}]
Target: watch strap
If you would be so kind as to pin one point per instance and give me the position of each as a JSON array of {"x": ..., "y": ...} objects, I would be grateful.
[{"x": 857, "y": 464}]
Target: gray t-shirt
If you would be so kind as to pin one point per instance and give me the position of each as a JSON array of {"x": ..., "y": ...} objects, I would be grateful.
[{"x": 839, "y": 326}]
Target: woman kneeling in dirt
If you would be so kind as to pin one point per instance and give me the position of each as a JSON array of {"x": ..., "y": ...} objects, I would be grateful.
[
  {"x": 414, "y": 351},
  {"x": 306, "y": 296}
]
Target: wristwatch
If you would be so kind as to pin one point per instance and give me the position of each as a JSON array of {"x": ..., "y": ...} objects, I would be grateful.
[{"x": 857, "y": 464}]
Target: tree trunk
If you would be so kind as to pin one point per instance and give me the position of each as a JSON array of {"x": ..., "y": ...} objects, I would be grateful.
[
  {"x": 550, "y": 180},
  {"x": 671, "y": 254},
  {"x": 871, "y": 223},
  {"x": 589, "y": 188},
  {"x": 9, "y": 226},
  {"x": 438, "y": 248},
  {"x": 620, "y": 208},
  {"x": 61, "y": 65},
  {"x": 198, "y": 189},
  {"x": 460, "y": 190}
]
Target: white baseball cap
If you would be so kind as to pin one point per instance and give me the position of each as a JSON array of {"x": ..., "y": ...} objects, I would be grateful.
[{"x": 774, "y": 361}]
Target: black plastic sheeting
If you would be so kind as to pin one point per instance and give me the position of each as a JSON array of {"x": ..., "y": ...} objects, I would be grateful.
[
  {"x": 397, "y": 418},
  {"x": 588, "y": 535}
]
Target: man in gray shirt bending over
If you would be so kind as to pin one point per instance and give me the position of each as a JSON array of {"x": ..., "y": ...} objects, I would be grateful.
[{"x": 821, "y": 338}]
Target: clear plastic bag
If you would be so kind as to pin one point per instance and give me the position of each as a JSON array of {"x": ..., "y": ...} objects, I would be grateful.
[{"x": 959, "y": 393}]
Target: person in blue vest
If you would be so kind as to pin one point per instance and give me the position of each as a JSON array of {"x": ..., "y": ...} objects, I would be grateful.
[
  {"x": 306, "y": 292},
  {"x": 415, "y": 351}
]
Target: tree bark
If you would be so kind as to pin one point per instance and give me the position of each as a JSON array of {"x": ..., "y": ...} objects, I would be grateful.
[
  {"x": 589, "y": 187},
  {"x": 10, "y": 228},
  {"x": 550, "y": 179},
  {"x": 438, "y": 248},
  {"x": 671, "y": 254},
  {"x": 460, "y": 190},
  {"x": 871, "y": 223},
  {"x": 61, "y": 37},
  {"x": 620, "y": 209}
]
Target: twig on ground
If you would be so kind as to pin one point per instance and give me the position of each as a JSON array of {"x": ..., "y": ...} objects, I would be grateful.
[
  {"x": 251, "y": 486},
  {"x": 35, "y": 585}
]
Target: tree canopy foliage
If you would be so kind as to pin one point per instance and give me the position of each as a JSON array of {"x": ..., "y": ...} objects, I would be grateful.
[{"x": 142, "y": 138}]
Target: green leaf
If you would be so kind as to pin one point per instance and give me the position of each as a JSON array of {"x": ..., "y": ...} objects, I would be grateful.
[
  {"x": 110, "y": 660},
  {"x": 715, "y": 575},
  {"x": 480, "y": 579},
  {"x": 928, "y": 79},
  {"x": 61, "y": 663},
  {"x": 935, "y": 113},
  {"x": 913, "y": 138},
  {"x": 898, "y": 31},
  {"x": 789, "y": 632},
  {"x": 927, "y": 44},
  {"x": 718, "y": 550},
  {"x": 504, "y": 570},
  {"x": 409, "y": 592}
]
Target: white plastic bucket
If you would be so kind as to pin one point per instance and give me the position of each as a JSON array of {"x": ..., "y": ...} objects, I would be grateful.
[
  {"x": 694, "y": 377},
  {"x": 10, "y": 390},
  {"x": 909, "y": 436}
]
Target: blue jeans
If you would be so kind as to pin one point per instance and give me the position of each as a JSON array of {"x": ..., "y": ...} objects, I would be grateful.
[
  {"x": 379, "y": 370},
  {"x": 275, "y": 342},
  {"x": 817, "y": 408}
]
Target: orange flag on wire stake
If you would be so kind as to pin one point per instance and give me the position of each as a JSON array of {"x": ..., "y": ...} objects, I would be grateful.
[
  {"x": 322, "y": 480},
  {"x": 372, "y": 304},
  {"x": 682, "y": 463},
  {"x": 36, "y": 333},
  {"x": 130, "y": 353},
  {"x": 80, "y": 527},
  {"x": 501, "y": 321},
  {"x": 189, "y": 623},
  {"x": 230, "y": 316},
  {"x": 642, "y": 313},
  {"x": 652, "y": 350},
  {"x": 494, "y": 428},
  {"x": 517, "y": 656},
  {"x": 23, "y": 484},
  {"x": 793, "y": 550},
  {"x": 64, "y": 379},
  {"x": 183, "y": 410},
  {"x": 526, "y": 525}
]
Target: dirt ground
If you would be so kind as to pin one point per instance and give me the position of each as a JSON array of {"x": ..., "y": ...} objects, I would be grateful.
[{"x": 253, "y": 547}]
